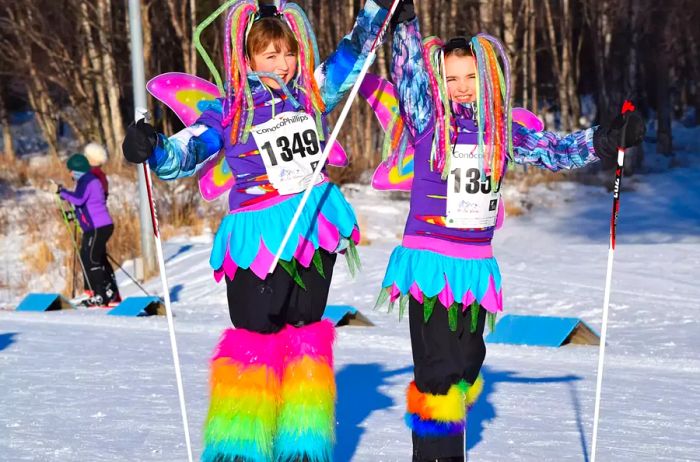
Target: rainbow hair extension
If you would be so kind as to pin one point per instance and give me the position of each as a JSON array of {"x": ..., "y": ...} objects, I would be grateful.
[
  {"x": 493, "y": 105},
  {"x": 245, "y": 386},
  {"x": 308, "y": 60},
  {"x": 238, "y": 102},
  {"x": 434, "y": 58},
  {"x": 395, "y": 142},
  {"x": 493, "y": 108},
  {"x": 306, "y": 421},
  {"x": 437, "y": 415}
]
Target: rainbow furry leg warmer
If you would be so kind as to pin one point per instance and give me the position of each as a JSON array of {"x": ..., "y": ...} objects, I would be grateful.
[
  {"x": 441, "y": 415},
  {"x": 306, "y": 421},
  {"x": 245, "y": 393},
  {"x": 474, "y": 392}
]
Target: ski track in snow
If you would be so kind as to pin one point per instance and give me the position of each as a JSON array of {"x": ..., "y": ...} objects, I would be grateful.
[{"x": 80, "y": 385}]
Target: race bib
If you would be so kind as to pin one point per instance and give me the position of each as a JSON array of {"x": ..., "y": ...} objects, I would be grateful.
[
  {"x": 289, "y": 146},
  {"x": 470, "y": 201}
]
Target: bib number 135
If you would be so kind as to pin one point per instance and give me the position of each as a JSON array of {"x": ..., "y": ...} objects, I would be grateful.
[
  {"x": 472, "y": 181},
  {"x": 471, "y": 201}
]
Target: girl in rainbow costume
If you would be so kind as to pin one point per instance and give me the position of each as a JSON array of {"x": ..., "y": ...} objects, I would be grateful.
[
  {"x": 454, "y": 101},
  {"x": 272, "y": 381}
]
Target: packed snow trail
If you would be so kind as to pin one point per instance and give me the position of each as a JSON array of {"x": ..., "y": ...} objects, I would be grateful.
[{"x": 80, "y": 385}]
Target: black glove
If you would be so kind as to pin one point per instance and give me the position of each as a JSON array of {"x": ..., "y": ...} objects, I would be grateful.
[
  {"x": 625, "y": 131},
  {"x": 68, "y": 215},
  {"x": 139, "y": 142},
  {"x": 404, "y": 12}
]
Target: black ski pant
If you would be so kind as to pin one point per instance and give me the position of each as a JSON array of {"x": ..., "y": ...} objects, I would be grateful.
[
  {"x": 99, "y": 272},
  {"x": 266, "y": 306},
  {"x": 442, "y": 358}
]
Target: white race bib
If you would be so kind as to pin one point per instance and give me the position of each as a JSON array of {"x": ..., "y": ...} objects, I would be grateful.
[
  {"x": 470, "y": 201},
  {"x": 289, "y": 146}
]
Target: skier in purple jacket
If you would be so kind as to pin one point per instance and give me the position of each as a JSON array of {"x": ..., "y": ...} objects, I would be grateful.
[
  {"x": 90, "y": 203},
  {"x": 454, "y": 99}
]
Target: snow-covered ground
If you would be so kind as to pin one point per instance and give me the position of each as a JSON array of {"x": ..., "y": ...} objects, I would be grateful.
[{"x": 80, "y": 385}]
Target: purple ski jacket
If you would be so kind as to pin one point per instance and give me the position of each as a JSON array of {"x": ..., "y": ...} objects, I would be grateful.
[{"x": 89, "y": 201}]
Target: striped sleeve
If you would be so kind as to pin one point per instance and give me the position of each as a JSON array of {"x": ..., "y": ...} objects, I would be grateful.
[{"x": 553, "y": 152}]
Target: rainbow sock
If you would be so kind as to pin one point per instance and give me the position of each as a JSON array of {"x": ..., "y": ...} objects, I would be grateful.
[
  {"x": 306, "y": 422},
  {"x": 437, "y": 415},
  {"x": 245, "y": 387}
]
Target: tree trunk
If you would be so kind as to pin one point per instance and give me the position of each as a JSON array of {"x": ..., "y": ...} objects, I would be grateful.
[
  {"x": 147, "y": 33},
  {"x": 694, "y": 67},
  {"x": 44, "y": 110},
  {"x": 97, "y": 76},
  {"x": 664, "y": 142},
  {"x": 559, "y": 68},
  {"x": 605, "y": 34},
  {"x": 7, "y": 141},
  {"x": 454, "y": 10},
  {"x": 88, "y": 95},
  {"x": 631, "y": 84},
  {"x": 532, "y": 30},
  {"x": 193, "y": 26},
  {"x": 382, "y": 65},
  {"x": 485, "y": 15},
  {"x": 509, "y": 41},
  {"x": 424, "y": 18},
  {"x": 115, "y": 120},
  {"x": 568, "y": 66},
  {"x": 178, "y": 20}
]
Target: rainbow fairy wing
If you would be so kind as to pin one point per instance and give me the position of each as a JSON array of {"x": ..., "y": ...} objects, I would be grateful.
[
  {"x": 186, "y": 95},
  {"x": 337, "y": 157},
  {"x": 389, "y": 177},
  {"x": 527, "y": 119},
  {"x": 183, "y": 93},
  {"x": 382, "y": 98},
  {"x": 215, "y": 177}
]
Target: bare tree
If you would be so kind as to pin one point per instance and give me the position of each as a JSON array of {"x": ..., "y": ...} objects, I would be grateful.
[
  {"x": 7, "y": 141},
  {"x": 179, "y": 19},
  {"x": 81, "y": 76},
  {"x": 98, "y": 74},
  {"x": 105, "y": 34}
]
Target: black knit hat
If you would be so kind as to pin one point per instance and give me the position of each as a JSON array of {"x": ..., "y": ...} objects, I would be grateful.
[{"x": 455, "y": 43}]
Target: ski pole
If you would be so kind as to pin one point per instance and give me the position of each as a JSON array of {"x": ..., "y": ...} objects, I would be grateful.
[
  {"x": 617, "y": 190},
  {"x": 75, "y": 257},
  {"x": 129, "y": 275},
  {"x": 334, "y": 134},
  {"x": 74, "y": 241},
  {"x": 142, "y": 113}
]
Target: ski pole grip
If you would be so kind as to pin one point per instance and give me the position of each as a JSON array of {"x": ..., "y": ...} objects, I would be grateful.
[
  {"x": 141, "y": 113},
  {"x": 627, "y": 106}
]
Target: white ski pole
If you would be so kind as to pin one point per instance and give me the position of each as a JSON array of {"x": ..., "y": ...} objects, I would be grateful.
[
  {"x": 334, "y": 135},
  {"x": 141, "y": 113},
  {"x": 627, "y": 106}
]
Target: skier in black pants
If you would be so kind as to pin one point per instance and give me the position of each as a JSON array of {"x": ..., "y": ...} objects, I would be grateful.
[
  {"x": 90, "y": 204},
  {"x": 454, "y": 99}
]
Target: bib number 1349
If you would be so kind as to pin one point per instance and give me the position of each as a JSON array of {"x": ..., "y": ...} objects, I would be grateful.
[
  {"x": 301, "y": 145},
  {"x": 289, "y": 147}
]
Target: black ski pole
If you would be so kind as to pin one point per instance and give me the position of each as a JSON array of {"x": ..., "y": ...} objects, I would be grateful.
[{"x": 128, "y": 275}]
